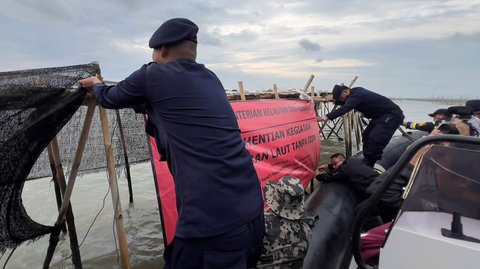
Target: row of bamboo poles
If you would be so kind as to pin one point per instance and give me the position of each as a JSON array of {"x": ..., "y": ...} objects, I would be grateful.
[
  {"x": 347, "y": 128},
  {"x": 65, "y": 190}
]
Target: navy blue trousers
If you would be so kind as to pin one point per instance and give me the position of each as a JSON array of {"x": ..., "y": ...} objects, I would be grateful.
[
  {"x": 377, "y": 135},
  {"x": 239, "y": 248}
]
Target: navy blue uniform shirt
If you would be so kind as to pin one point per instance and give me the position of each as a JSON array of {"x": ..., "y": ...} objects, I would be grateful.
[
  {"x": 371, "y": 105},
  {"x": 216, "y": 184}
]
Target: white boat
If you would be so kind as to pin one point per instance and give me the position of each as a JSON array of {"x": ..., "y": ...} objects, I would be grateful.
[
  {"x": 438, "y": 225},
  {"x": 446, "y": 182}
]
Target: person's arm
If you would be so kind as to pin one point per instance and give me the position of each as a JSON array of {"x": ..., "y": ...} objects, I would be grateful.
[
  {"x": 127, "y": 93},
  {"x": 332, "y": 176},
  {"x": 351, "y": 103},
  {"x": 324, "y": 168},
  {"x": 422, "y": 126}
]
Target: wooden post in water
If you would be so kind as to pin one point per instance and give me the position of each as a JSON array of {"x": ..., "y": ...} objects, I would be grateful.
[
  {"x": 347, "y": 126},
  {"x": 353, "y": 81},
  {"x": 275, "y": 90},
  {"x": 54, "y": 155},
  {"x": 357, "y": 129},
  {"x": 125, "y": 155},
  {"x": 242, "y": 91},
  {"x": 58, "y": 192},
  {"x": 112, "y": 180},
  {"x": 308, "y": 83},
  {"x": 356, "y": 121},
  {"x": 78, "y": 156},
  {"x": 71, "y": 182}
]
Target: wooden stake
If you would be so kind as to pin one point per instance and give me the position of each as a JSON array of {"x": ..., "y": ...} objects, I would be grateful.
[
  {"x": 125, "y": 156},
  {"x": 308, "y": 83},
  {"x": 112, "y": 180},
  {"x": 357, "y": 129},
  {"x": 353, "y": 81},
  {"x": 58, "y": 192},
  {"x": 242, "y": 91},
  {"x": 312, "y": 92},
  {"x": 275, "y": 90},
  {"x": 78, "y": 158},
  {"x": 71, "y": 182},
  {"x": 54, "y": 155},
  {"x": 347, "y": 126}
]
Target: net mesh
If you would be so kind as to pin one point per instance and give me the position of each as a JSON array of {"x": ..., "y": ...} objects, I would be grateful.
[{"x": 35, "y": 106}]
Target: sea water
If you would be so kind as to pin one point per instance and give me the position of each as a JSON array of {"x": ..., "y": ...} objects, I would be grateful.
[{"x": 93, "y": 211}]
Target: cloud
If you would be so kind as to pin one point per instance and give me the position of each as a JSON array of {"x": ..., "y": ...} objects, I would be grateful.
[
  {"x": 308, "y": 45},
  {"x": 210, "y": 38},
  {"x": 25, "y": 11},
  {"x": 397, "y": 45}
]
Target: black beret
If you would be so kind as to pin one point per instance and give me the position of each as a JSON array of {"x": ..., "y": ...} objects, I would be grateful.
[
  {"x": 474, "y": 105},
  {"x": 441, "y": 111},
  {"x": 172, "y": 31},
  {"x": 463, "y": 112},
  {"x": 337, "y": 91}
]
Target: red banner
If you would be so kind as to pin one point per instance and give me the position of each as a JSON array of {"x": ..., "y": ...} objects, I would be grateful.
[{"x": 281, "y": 135}]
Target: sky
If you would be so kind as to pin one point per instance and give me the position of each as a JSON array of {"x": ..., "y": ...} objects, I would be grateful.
[{"x": 403, "y": 49}]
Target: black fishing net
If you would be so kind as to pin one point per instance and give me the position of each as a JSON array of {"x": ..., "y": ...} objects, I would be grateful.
[
  {"x": 34, "y": 106},
  {"x": 94, "y": 159}
]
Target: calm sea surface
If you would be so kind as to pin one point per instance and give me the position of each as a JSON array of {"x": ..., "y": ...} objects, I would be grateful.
[{"x": 141, "y": 219}]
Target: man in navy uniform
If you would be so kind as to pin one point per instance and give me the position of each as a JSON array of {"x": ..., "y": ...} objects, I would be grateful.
[
  {"x": 352, "y": 172},
  {"x": 439, "y": 116},
  {"x": 385, "y": 117},
  {"x": 219, "y": 200}
]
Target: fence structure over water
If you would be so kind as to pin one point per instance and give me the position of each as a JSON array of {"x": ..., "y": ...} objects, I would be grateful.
[
  {"x": 117, "y": 131},
  {"x": 347, "y": 128}
]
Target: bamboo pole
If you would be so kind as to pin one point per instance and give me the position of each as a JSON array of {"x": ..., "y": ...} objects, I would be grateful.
[
  {"x": 275, "y": 90},
  {"x": 308, "y": 83},
  {"x": 55, "y": 152},
  {"x": 242, "y": 91},
  {"x": 356, "y": 129},
  {"x": 125, "y": 156},
  {"x": 356, "y": 119},
  {"x": 353, "y": 81},
  {"x": 347, "y": 128},
  {"x": 71, "y": 182},
  {"x": 54, "y": 155},
  {"x": 112, "y": 180},
  {"x": 58, "y": 192},
  {"x": 78, "y": 156},
  {"x": 347, "y": 134}
]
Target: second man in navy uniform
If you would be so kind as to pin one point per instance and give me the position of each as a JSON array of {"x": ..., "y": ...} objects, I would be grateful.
[
  {"x": 219, "y": 200},
  {"x": 385, "y": 117}
]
